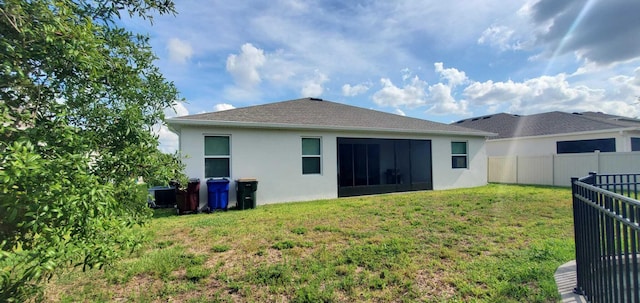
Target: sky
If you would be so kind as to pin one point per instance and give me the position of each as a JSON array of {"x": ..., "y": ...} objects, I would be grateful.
[{"x": 436, "y": 60}]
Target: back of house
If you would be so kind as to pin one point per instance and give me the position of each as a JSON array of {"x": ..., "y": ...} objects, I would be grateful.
[{"x": 310, "y": 148}]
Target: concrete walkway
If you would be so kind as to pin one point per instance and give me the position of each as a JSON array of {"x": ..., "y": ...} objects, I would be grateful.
[{"x": 566, "y": 281}]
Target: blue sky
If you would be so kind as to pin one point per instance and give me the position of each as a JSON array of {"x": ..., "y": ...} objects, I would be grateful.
[{"x": 437, "y": 60}]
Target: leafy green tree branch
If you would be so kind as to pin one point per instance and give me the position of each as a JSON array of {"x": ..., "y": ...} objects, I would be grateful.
[{"x": 79, "y": 99}]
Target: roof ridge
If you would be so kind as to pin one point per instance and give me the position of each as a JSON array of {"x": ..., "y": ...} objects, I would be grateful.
[
  {"x": 241, "y": 108},
  {"x": 602, "y": 120}
]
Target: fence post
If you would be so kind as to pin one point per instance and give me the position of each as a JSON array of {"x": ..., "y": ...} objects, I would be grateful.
[
  {"x": 517, "y": 170},
  {"x": 592, "y": 178},
  {"x": 553, "y": 170},
  {"x": 577, "y": 234}
]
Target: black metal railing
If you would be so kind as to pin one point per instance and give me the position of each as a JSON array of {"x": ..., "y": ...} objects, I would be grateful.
[{"x": 606, "y": 216}]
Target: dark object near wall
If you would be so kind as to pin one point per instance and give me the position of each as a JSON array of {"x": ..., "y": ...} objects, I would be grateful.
[
  {"x": 188, "y": 200},
  {"x": 218, "y": 194},
  {"x": 164, "y": 196},
  {"x": 246, "y": 193}
]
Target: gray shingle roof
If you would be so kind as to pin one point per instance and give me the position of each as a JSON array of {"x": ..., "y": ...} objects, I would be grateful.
[
  {"x": 550, "y": 123},
  {"x": 319, "y": 114}
]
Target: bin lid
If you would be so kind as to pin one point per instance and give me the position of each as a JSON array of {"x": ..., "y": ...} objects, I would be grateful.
[
  {"x": 160, "y": 188},
  {"x": 218, "y": 180},
  {"x": 194, "y": 180},
  {"x": 247, "y": 180}
]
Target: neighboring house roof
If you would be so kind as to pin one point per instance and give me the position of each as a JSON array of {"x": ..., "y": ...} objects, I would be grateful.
[
  {"x": 318, "y": 114},
  {"x": 550, "y": 123}
]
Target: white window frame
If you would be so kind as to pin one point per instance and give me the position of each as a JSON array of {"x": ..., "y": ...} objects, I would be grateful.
[
  {"x": 204, "y": 139},
  {"x": 319, "y": 156},
  {"x": 465, "y": 155}
]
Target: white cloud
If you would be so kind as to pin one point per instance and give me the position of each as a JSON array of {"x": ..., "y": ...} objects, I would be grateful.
[
  {"x": 500, "y": 37},
  {"x": 222, "y": 106},
  {"x": 439, "y": 97},
  {"x": 551, "y": 93},
  {"x": 636, "y": 78},
  {"x": 314, "y": 87},
  {"x": 244, "y": 66},
  {"x": 560, "y": 92},
  {"x": 178, "y": 109},
  {"x": 443, "y": 102},
  {"x": 546, "y": 93},
  {"x": 180, "y": 51},
  {"x": 626, "y": 91},
  {"x": 453, "y": 76},
  {"x": 168, "y": 141},
  {"x": 350, "y": 91},
  {"x": 412, "y": 94},
  {"x": 490, "y": 93}
]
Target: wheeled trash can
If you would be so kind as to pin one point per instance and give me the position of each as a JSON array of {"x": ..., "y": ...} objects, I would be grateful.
[
  {"x": 217, "y": 194},
  {"x": 191, "y": 199},
  {"x": 246, "y": 193}
]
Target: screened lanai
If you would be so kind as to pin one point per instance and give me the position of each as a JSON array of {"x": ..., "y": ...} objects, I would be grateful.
[{"x": 373, "y": 166}]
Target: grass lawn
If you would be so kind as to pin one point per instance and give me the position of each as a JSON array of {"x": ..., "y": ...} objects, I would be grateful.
[{"x": 497, "y": 243}]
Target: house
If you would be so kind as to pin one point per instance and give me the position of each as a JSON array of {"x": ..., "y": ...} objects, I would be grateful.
[
  {"x": 551, "y": 148},
  {"x": 556, "y": 133},
  {"x": 310, "y": 148}
]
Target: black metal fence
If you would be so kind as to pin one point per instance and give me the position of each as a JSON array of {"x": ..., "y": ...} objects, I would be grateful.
[{"x": 606, "y": 216}]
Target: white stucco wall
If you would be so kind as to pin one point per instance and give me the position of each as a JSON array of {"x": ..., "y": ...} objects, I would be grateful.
[
  {"x": 444, "y": 177},
  {"x": 274, "y": 158},
  {"x": 546, "y": 145}
]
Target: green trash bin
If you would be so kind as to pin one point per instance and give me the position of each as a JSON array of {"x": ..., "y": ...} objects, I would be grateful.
[{"x": 246, "y": 193}]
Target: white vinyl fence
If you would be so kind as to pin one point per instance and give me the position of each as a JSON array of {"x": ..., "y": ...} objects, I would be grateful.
[{"x": 557, "y": 170}]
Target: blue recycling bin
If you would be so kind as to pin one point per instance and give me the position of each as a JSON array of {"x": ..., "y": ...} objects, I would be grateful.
[{"x": 218, "y": 194}]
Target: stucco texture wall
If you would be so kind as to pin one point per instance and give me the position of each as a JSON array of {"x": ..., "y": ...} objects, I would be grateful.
[{"x": 274, "y": 158}]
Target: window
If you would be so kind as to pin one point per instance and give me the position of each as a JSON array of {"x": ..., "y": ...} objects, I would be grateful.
[
  {"x": 635, "y": 144},
  {"x": 586, "y": 146},
  {"x": 459, "y": 155},
  {"x": 216, "y": 157},
  {"x": 311, "y": 156}
]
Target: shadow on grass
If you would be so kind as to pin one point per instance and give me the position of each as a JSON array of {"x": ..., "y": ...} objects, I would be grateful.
[{"x": 164, "y": 212}]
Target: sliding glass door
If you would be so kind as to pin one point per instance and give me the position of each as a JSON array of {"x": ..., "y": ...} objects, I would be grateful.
[{"x": 370, "y": 166}]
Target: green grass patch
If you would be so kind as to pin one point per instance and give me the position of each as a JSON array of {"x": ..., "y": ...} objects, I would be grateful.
[
  {"x": 197, "y": 273},
  {"x": 220, "y": 248},
  {"x": 279, "y": 274},
  {"x": 496, "y": 243},
  {"x": 159, "y": 264},
  {"x": 299, "y": 230},
  {"x": 284, "y": 245}
]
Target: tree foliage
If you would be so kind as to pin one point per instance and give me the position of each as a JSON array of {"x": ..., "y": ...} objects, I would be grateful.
[{"x": 79, "y": 96}]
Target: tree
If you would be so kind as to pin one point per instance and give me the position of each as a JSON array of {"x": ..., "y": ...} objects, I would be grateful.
[{"x": 79, "y": 96}]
